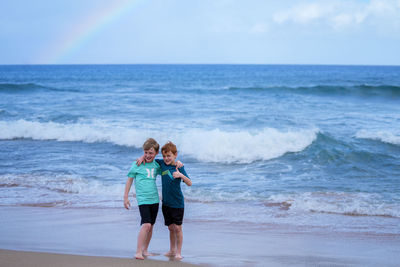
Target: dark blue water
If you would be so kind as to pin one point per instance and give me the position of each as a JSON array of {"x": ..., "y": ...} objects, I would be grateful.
[{"x": 275, "y": 142}]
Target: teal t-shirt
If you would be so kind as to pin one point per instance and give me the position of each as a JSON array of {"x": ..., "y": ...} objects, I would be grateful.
[{"x": 145, "y": 182}]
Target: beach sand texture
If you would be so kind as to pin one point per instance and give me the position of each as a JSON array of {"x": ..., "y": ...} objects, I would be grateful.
[{"x": 10, "y": 258}]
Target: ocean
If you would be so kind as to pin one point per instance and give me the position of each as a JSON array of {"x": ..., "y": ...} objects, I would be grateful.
[{"x": 304, "y": 147}]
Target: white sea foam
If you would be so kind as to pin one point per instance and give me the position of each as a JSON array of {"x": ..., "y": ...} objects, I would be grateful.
[
  {"x": 383, "y": 136},
  {"x": 357, "y": 204},
  {"x": 360, "y": 204},
  {"x": 89, "y": 133},
  {"x": 244, "y": 146},
  {"x": 59, "y": 189},
  {"x": 75, "y": 191},
  {"x": 205, "y": 145},
  {"x": 195, "y": 194},
  {"x": 61, "y": 183}
]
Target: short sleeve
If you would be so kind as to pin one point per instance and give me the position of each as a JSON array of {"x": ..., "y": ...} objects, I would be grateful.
[
  {"x": 132, "y": 172},
  {"x": 182, "y": 170}
]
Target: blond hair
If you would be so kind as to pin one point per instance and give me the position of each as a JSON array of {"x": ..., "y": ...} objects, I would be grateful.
[{"x": 151, "y": 143}]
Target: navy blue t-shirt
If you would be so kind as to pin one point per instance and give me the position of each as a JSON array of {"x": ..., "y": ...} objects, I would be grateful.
[{"x": 171, "y": 188}]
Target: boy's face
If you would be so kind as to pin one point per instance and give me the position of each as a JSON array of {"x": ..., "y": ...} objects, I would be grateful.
[
  {"x": 149, "y": 155},
  {"x": 169, "y": 157}
]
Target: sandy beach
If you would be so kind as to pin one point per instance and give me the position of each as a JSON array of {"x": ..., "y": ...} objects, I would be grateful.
[
  {"x": 112, "y": 233},
  {"x": 28, "y": 259}
]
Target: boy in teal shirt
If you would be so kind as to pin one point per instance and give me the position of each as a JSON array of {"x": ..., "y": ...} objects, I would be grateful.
[{"x": 144, "y": 177}]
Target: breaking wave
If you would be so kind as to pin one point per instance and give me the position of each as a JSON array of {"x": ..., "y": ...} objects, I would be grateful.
[
  {"x": 383, "y": 136},
  {"x": 204, "y": 145}
]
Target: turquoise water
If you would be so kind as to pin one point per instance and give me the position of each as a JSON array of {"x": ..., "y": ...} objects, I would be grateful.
[{"x": 310, "y": 146}]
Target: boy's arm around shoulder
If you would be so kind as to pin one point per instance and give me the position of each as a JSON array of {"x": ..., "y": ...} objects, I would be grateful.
[{"x": 139, "y": 160}]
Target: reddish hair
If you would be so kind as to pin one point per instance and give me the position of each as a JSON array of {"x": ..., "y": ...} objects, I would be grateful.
[{"x": 169, "y": 147}]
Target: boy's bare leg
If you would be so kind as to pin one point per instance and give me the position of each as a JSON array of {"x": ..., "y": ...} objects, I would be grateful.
[
  {"x": 147, "y": 242},
  {"x": 179, "y": 241},
  {"x": 172, "y": 241},
  {"x": 142, "y": 239}
]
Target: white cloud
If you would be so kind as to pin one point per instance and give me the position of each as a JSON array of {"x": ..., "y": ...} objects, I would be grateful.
[
  {"x": 339, "y": 14},
  {"x": 303, "y": 13},
  {"x": 381, "y": 6},
  {"x": 343, "y": 20}
]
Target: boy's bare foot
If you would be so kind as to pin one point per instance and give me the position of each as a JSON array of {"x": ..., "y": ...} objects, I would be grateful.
[
  {"x": 139, "y": 256},
  {"x": 170, "y": 254},
  {"x": 178, "y": 257}
]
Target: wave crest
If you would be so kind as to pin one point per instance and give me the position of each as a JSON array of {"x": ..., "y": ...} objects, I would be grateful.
[
  {"x": 244, "y": 146},
  {"x": 31, "y": 87},
  {"x": 354, "y": 90},
  {"x": 17, "y": 87},
  {"x": 383, "y": 136},
  {"x": 204, "y": 145}
]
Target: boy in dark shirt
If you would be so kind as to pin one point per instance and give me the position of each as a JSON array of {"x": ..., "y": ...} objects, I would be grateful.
[{"x": 172, "y": 197}]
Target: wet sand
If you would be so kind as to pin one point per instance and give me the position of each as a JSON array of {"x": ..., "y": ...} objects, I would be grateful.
[
  {"x": 112, "y": 233},
  {"x": 31, "y": 259}
]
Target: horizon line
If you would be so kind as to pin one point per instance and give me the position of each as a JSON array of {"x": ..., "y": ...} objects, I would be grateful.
[{"x": 265, "y": 64}]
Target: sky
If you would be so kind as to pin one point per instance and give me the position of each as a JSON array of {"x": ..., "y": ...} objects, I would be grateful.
[{"x": 348, "y": 32}]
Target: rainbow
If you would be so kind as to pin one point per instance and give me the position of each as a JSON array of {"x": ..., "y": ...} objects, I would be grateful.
[{"x": 83, "y": 31}]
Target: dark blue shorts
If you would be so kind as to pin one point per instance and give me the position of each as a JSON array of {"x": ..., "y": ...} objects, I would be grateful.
[
  {"x": 148, "y": 213},
  {"x": 172, "y": 215}
]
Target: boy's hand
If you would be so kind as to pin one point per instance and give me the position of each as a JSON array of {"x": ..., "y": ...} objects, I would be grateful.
[
  {"x": 179, "y": 164},
  {"x": 127, "y": 204},
  {"x": 140, "y": 160},
  {"x": 177, "y": 174}
]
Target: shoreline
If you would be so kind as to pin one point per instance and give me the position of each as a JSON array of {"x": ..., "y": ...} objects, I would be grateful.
[
  {"x": 10, "y": 258},
  {"x": 112, "y": 233}
]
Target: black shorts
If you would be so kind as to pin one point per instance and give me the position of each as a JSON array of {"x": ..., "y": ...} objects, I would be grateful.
[
  {"x": 148, "y": 213},
  {"x": 172, "y": 215}
]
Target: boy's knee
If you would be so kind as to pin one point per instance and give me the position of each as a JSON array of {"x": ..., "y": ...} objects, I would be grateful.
[
  {"x": 175, "y": 228},
  {"x": 172, "y": 227},
  {"x": 178, "y": 228},
  {"x": 147, "y": 227}
]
